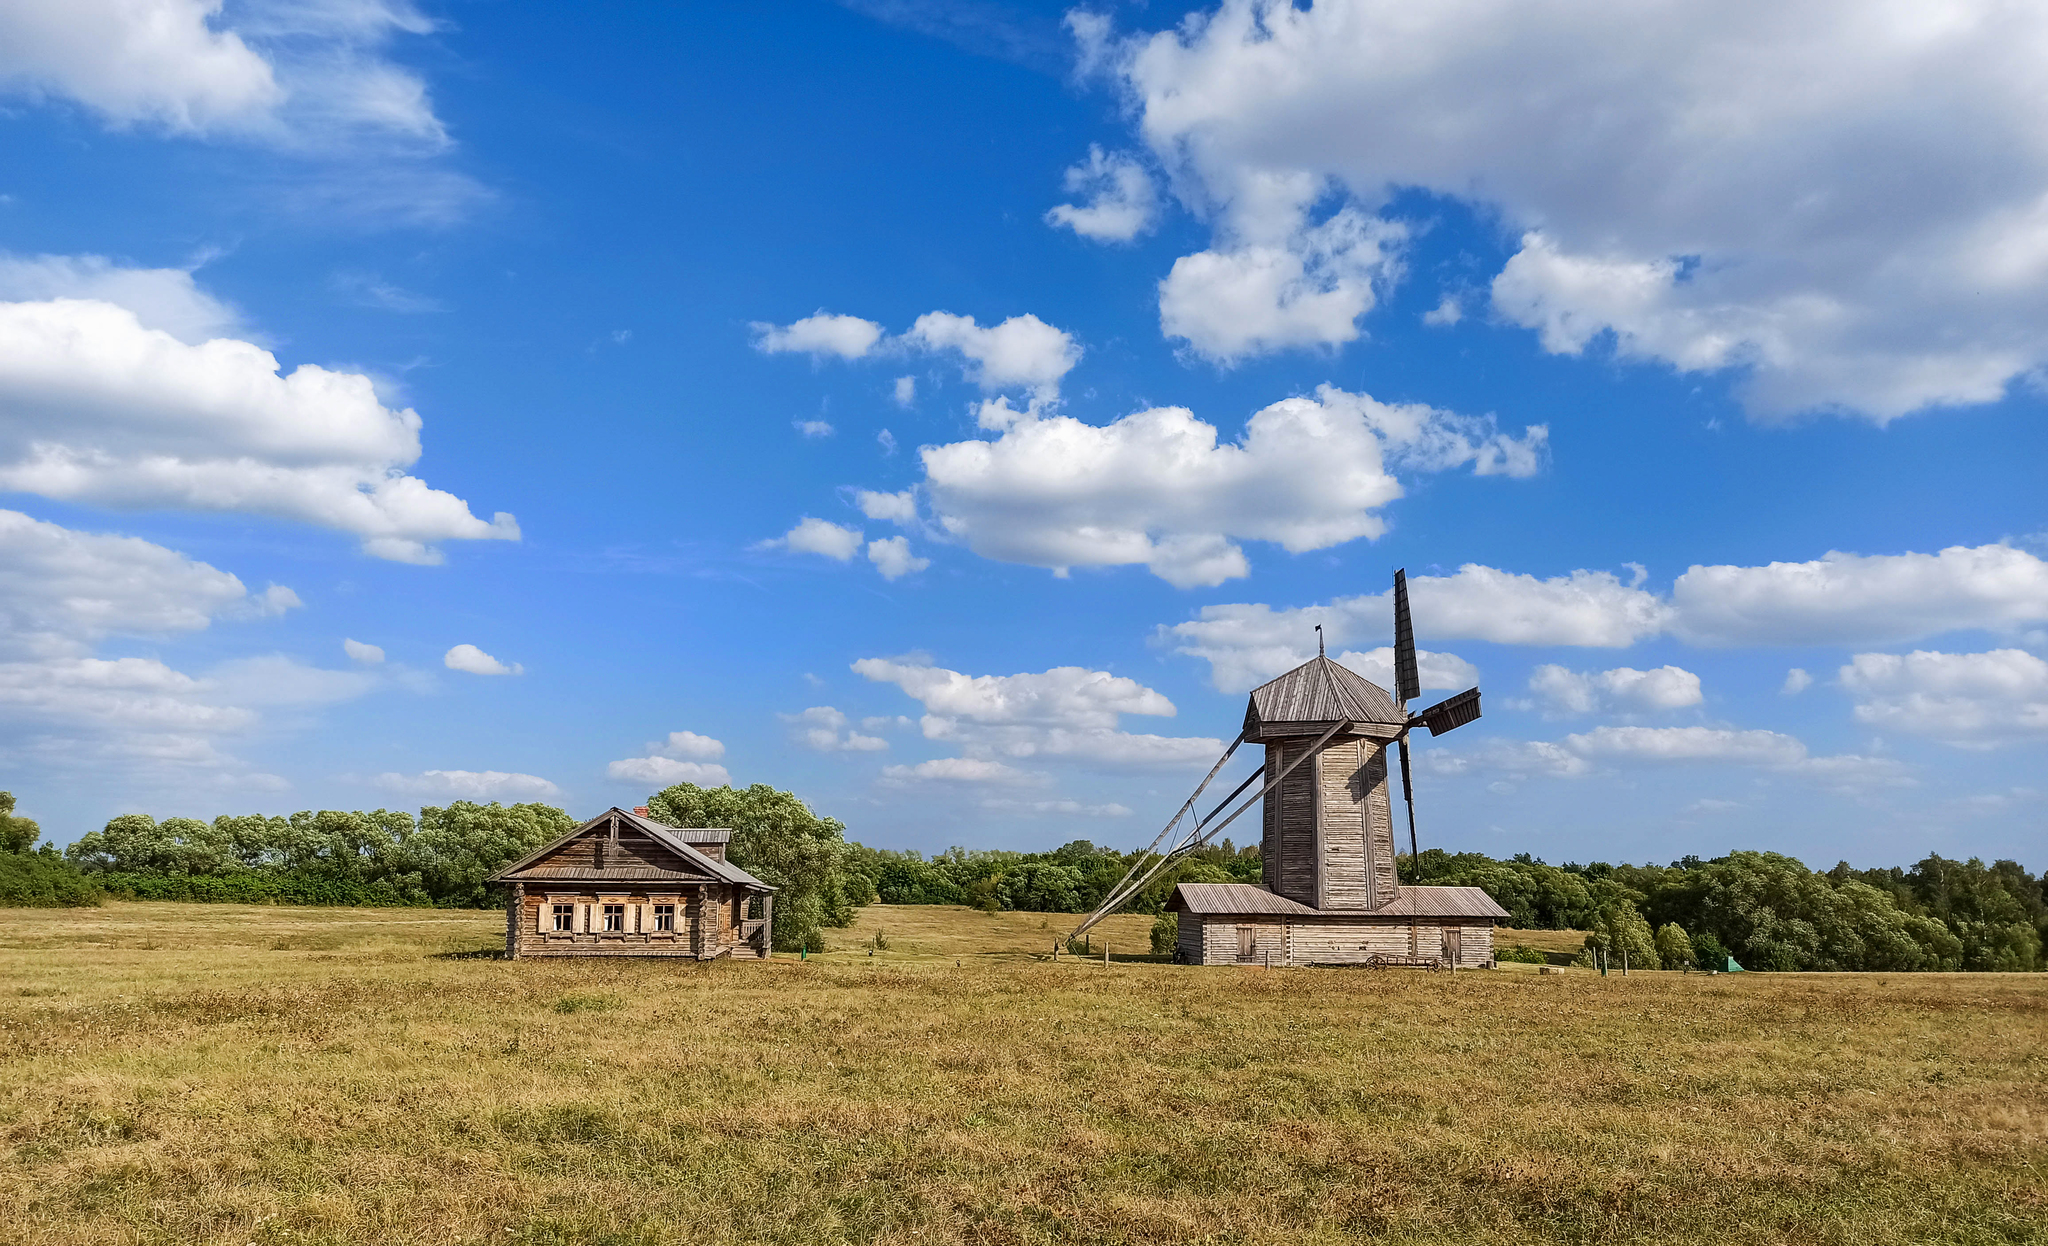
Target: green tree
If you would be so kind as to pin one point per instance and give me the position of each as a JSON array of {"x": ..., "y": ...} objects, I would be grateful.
[
  {"x": 1673, "y": 947},
  {"x": 17, "y": 834},
  {"x": 1627, "y": 934},
  {"x": 779, "y": 840},
  {"x": 453, "y": 849}
]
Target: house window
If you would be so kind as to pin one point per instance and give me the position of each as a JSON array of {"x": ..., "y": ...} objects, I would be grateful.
[
  {"x": 565, "y": 918},
  {"x": 615, "y": 918},
  {"x": 665, "y": 917}
]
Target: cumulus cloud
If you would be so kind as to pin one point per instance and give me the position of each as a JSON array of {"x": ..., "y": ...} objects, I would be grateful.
[
  {"x": 1838, "y": 599},
  {"x": 1281, "y": 286},
  {"x": 1020, "y": 353},
  {"x": 824, "y": 729},
  {"x": 892, "y": 557},
  {"x": 97, "y": 406},
  {"x": 168, "y": 299},
  {"x": 1436, "y": 670},
  {"x": 896, "y": 508},
  {"x": 962, "y": 770},
  {"x": 684, "y": 757},
  {"x": 1714, "y": 189},
  {"x": 1796, "y": 682},
  {"x": 1068, "y": 712},
  {"x": 819, "y": 536},
  {"x": 1582, "y": 754},
  {"x": 1565, "y": 691},
  {"x": 474, "y": 661},
  {"x": 813, "y": 429},
  {"x": 368, "y": 655},
  {"x": 1156, "y": 488},
  {"x": 479, "y": 785},
  {"x": 307, "y": 75},
  {"x": 62, "y": 591},
  {"x": 1862, "y": 599},
  {"x": 1975, "y": 699},
  {"x": 1121, "y": 201},
  {"x": 819, "y": 335}
]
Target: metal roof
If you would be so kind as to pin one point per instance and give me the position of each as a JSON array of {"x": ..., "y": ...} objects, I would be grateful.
[
  {"x": 1251, "y": 900},
  {"x": 610, "y": 873},
  {"x": 1320, "y": 691}
]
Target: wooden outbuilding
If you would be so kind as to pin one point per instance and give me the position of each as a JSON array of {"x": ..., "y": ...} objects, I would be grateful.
[
  {"x": 623, "y": 884},
  {"x": 1331, "y": 893}
]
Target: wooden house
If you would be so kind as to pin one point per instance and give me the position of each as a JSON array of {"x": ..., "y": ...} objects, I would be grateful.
[
  {"x": 1331, "y": 894},
  {"x": 623, "y": 884}
]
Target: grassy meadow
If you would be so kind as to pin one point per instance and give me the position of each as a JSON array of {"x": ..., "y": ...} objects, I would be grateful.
[{"x": 238, "y": 1075}]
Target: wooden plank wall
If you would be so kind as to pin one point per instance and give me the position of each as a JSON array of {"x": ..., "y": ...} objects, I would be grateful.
[
  {"x": 1289, "y": 843},
  {"x": 1345, "y": 878},
  {"x": 1214, "y": 940}
]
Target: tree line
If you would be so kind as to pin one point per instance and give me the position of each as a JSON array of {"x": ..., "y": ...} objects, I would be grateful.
[{"x": 1767, "y": 910}]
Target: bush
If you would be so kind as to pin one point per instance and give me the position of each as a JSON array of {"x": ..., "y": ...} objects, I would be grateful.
[
  {"x": 33, "y": 880},
  {"x": 1522, "y": 954},
  {"x": 1165, "y": 934},
  {"x": 1673, "y": 947},
  {"x": 1708, "y": 953}
]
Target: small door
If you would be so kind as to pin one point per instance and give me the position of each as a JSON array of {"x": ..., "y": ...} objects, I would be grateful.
[
  {"x": 1454, "y": 943},
  {"x": 1246, "y": 944}
]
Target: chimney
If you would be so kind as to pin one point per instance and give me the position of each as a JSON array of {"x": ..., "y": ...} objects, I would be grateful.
[{"x": 640, "y": 811}]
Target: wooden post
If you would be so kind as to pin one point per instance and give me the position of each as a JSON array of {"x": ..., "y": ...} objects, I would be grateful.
[{"x": 767, "y": 924}]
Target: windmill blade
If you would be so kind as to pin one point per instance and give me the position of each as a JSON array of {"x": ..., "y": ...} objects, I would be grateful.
[
  {"x": 1451, "y": 713},
  {"x": 1407, "y": 679},
  {"x": 1408, "y": 795}
]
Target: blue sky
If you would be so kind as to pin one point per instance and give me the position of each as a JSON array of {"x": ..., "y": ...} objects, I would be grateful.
[{"x": 948, "y": 411}]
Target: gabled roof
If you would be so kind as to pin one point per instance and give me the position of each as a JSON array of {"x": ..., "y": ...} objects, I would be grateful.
[
  {"x": 528, "y": 867},
  {"x": 1319, "y": 692},
  {"x": 1252, "y": 900}
]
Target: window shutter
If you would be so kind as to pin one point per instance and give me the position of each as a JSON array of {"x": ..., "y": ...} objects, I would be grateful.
[{"x": 543, "y": 916}]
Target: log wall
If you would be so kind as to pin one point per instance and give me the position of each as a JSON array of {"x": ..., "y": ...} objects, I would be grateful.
[
  {"x": 1215, "y": 940},
  {"x": 707, "y": 923}
]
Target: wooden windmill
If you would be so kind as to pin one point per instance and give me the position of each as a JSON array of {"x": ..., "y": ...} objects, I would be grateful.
[{"x": 1331, "y": 893}]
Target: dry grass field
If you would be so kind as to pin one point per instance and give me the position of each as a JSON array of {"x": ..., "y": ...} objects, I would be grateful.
[{"x": 249, "y": 1075}]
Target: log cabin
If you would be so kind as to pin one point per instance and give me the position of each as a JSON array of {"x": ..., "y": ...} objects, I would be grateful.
[
  {"x": 1330, "y": 893},
  {"x": 623, "y": 884}
]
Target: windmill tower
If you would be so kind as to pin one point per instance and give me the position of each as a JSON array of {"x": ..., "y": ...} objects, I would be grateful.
[{"x": 1331, "y": 890}]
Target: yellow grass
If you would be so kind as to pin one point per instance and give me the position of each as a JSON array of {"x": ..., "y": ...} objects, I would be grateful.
[{"x": 250, "y": 1075}]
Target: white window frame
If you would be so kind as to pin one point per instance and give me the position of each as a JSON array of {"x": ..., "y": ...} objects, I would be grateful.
[{"x": 675, "y": 906}]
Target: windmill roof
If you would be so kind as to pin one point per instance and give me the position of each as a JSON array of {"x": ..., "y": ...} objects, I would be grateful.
[{"x": 1321, "y": 691}]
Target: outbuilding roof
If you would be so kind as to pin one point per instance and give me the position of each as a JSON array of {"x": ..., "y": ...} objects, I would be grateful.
[
  {"x": 1252, "y": 900},
  {"x": 1316, "y": 694}
]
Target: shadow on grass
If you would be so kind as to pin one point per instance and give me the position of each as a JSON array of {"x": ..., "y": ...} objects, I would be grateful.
[{"x": 482, "y": 953}]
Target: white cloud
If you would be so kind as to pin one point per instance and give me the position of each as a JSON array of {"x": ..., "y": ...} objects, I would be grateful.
[
  {"x": 1121, "y": 201},
  {"x": 161, "y": 298},
  {"x": 1862, "y": 599},
  {"x": 1022, "y": 352},
  {"x": 906, "y": 391},
  {"x": 306, "y": 74},
  {"x": 892, "y": 557},
  {"x": 667, "y": 771},
  {"x": 61, "y": 591},
  {"x": 1436, "y": 670},
  {"x": 474, "y": 661},
  {"x": 688, "y": 746},
  {"x": 964, "y": 770},
  {"x": 1068, "y": 712},
  {"x": 1155, "y": 487},
  {"x": 1963, "y": 698},
  {"x": 1566, "y": 691},
  {"x": 98, "y": 407},
  {"x": 886, "y": 440},
  {"x": 1839, "y": 599},
  {"x": 1580, "y": 754},
  {"x": 368, "y": 655},
  {"x": 818, "y": 536},
  {"x": 819, "y": 335},
  {"x": 897, "y": 508},
  {"x": 1446, "y": 313},
  {"x": 474, "y": 785},
  {"x": 813, "y": 428},
  {"x": 1305, "y": 286},
  {"x": 684, "y": 757},
  {"x": 1720, "y": 191},
  {"x": 1796, "y": 682},
  {"x": 824, "y": 729},
  {"x": 1063, "y": 808}
]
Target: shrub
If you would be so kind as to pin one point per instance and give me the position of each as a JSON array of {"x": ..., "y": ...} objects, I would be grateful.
[
  {"x": 1522, "y": 954},
  {"x": 33, "y": 880},
  {"x": 1165, "y": 934}
]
